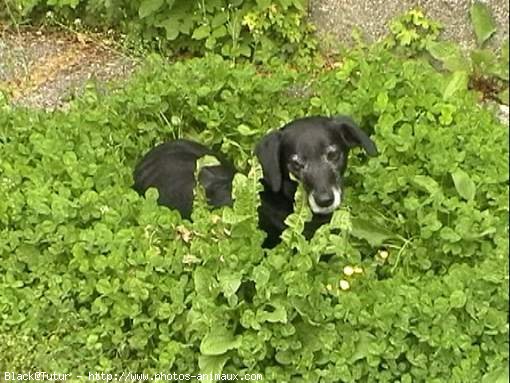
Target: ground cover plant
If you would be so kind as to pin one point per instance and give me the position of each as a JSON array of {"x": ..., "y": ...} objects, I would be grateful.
[
  {"x": 480, "y": 68},
  {"x": 96, "y": 278},
  {"x": 251, "y": 29}
]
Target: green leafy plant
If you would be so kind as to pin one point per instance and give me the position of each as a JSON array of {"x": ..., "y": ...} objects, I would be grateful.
[
  {"x": 481, "y": 68},
  {"x": 249, "y": 29},
  {"x": 94, "y": 277},
  {"x": 413, "y": 30},
  {"x": 483, "y": 23}
]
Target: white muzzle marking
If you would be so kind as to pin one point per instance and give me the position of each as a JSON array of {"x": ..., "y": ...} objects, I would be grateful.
[{"x": 316, "y": 209}]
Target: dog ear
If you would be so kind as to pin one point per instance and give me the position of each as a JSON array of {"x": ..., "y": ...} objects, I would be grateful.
[
  {"x": 268, "y": 153},
  {"x": 353, "y": 136}
]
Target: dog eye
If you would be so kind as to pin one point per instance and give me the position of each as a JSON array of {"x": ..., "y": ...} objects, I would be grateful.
[
  {"x": 295, "y": 164},
  {"x": 333, "y": 155}
]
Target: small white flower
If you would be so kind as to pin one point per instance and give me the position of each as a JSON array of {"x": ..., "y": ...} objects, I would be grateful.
[
  {"x": 344, "y": 285},
  {"x": 383, "y": 254}
]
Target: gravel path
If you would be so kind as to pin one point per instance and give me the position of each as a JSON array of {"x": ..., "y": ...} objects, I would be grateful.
[{"x": 46, "y": 69}]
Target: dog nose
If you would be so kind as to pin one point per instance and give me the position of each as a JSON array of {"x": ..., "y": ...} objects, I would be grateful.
[{"x": 324, "y": 199}]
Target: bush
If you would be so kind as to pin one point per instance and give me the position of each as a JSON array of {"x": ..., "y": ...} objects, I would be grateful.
[
  {"x": 254, "y": 29},
  {"x": 96, "y": 278}
]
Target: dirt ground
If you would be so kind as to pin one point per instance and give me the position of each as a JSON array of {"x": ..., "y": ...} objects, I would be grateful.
[{"x": 44, "y": 69}]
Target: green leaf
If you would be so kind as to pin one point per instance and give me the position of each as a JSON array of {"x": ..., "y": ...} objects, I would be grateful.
[
  {"x": 219, "y": 19},
  {"x": 300, "y": 4},
  {"x": 302, "y": 212},
  {"x": 263, "y": 3},
  {"x": 219, "y": 32},
  {"x": 218, "y": 341},
  {"x": 231, "y": 218},
  {"x": 245, "y": 50},
  {"x": 229, "y": 282},
  {"x": 426, "y": 183},
  {"x": 458, "y": 81},
  {"x": 448, "y": 53},
  {"x": 210, "y": 364},
  {"x": 458, "y": 299},
  {"x": 284, "y": 357},
  {"x": 448, "y": 234},
  {"x": 261, "y": 276},
  {"x": 148, "y": 7},
  {"x": 381, "y": 102},
  {"x": 172, "y": 26},
  {"x": 371, "y": 232},
  {"x": 365, "y": 341},
  {"x": 486, "y": 62},
  {"x": 483, "y": 22},
  {"x": 500, "y": 375},
  {"x": 245, "y": 130},
  {"x": 210, "y": 42},
  {"x": 277, "y": 313},
  {"x": 316, "y": 101},
  {"x": 341, "y": 220},
  {"x": 165, "y": 311},
  {"x": 446, "y": 116},
  {"x": 103, "y": 286},
  {"x": 464, "y": 184},
  {"x": 201, "y": 32},
  {"x": 206, "y": 161},
  {"x": 203, "y": 281}
]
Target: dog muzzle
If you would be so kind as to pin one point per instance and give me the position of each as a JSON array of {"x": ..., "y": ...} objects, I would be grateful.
[{"x": 316, "y": 209}]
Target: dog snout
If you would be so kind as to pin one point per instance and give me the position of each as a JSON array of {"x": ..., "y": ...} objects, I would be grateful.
[
  {"x": 324, "y": 199},
  {"x": 323, "y": 188}
]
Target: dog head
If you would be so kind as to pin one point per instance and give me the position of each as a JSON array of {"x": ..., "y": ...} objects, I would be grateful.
[{"x": 314, "y": 151}]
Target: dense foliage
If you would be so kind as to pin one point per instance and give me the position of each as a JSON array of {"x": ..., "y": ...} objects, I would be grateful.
[
  {"x": 255, "y": 29},
  {"x": 94, "y": 277}
]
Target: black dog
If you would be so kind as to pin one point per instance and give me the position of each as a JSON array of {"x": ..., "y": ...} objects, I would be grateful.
[
  {"x": 170, "y": 168},
  {"x": 313, "y": 149}
]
